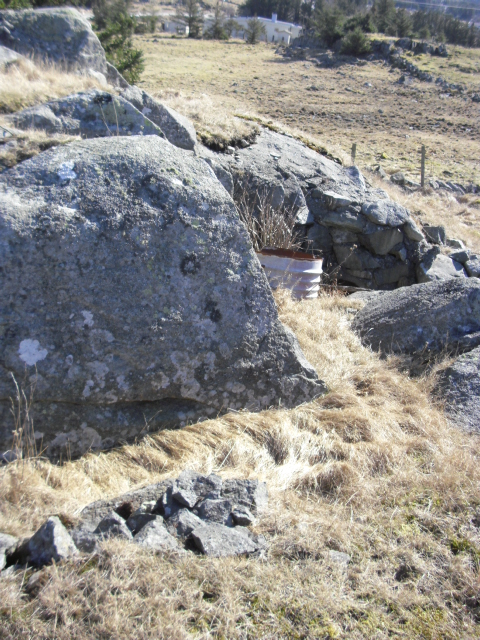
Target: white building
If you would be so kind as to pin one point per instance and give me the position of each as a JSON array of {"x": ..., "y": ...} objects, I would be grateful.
[
  {"x": 172, "y": 26},
  {"x": 276, "y": 30}
]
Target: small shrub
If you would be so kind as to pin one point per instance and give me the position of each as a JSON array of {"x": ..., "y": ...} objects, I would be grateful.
[
  {"x": 355, "y": 43},
  {"x": 255, "y": 30},
  {"x": 329, "y": 25}
]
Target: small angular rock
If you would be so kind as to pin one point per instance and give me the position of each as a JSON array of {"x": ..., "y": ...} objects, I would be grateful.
[
  {"x": 155, "y": 536},
  {"x": 217, "y": 540},
  {"x": 136, "y": 522},
  {"x": 85, "y": 541},
  {"x": 185, "y": 498},
  {"x": 216, "y": 511},
  {"x": 113, "y": 526},
  {"x": 243, "y": 516},
  {"x": 252, "y": 494},
  {"x": 51, "y": 542},
  {"x": 183, "y": 523}
]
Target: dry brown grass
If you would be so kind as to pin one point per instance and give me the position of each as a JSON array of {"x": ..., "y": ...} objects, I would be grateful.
[
  {"x": 372, "y": 469},
  {"x": 28, "y": 144},
  {"x": 25, "y": 84}
]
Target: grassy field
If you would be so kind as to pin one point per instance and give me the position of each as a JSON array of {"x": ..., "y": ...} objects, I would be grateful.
[
  {"x": 389, "y": 122},
  {"x": 372, "y": 469}
]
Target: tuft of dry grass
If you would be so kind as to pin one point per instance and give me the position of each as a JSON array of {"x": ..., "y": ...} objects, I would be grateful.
[
  {"x": 27, "y": 144},
  {"x": 372, "y": 469},
  {"x": 24, "y": 84}
]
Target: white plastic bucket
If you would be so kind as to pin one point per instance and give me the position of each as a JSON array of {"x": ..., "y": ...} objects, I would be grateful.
[{"x": 293, "y": 270}]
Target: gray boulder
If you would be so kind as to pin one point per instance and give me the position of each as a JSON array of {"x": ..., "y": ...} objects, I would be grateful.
[
  {"x": 61, "y": 36},
  {"x": 154, "y": 536},
  {"x": 218, "y": 540},
  {"x": 86, "y": 541},
  {"x": 423, "y": 319},
  {"x": 177, "y": 129},
  {"x": 137, "y": 521},
  {"x": 183, "y": 523},
  {"x": 7, "y": 545},
  {"x": 51, "y": 542},
  {"x": 216, "y": 511},
  {"x": 251, "y": 494},
  {"x": 472, "y": 267},
  {"x": 435, "y": 234},
  {"x": 142, "y": 302},
  {"x": 459, "y": 389},
  {"x": 113, "y": 526},
  {"x": 90, "y": 114},
  {"x": 243, "y": 516},
  {"x": 439, "y": 267}
]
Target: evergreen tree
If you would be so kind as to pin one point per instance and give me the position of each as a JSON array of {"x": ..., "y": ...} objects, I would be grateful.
[
  {"x": 403, "y": 23},
  {"x": 255, "y": 30},
  {"x": 329, "y": 25},
  {"x": 355, "y": 43},
  {"x": 384, "y": 14},
  {"x": 115, "y": 30},
  {"x": 217, "y": 30},
  {"x": 191, "y": 15}
]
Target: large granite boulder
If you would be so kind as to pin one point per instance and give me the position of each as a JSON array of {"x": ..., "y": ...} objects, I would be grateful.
[
  {"x": 423, "y": 319},
  {"x": 61, "y": 36},
  {"x": 366, "y": 239},
  {"x": 177, "y": 129},
  {"x": 459, "y": 389},
  {"x": 131, "y": 298},
  {"x": 90, "y": 114}
]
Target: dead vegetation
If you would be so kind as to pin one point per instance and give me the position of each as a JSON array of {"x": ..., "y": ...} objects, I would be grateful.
[
  {"x": 372, "y": 469},
  {"x": 24, "y": 84}
]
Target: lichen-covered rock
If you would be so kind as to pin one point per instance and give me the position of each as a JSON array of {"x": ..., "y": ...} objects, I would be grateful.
[
  {"x": 115, "y": 78},
  {"x": 177, "y": 129},
  {"x": 131, "y": 295},
  {"x": 51, "y": 542},
  {"x": 61, "y": 36},
  {"x": 423, "y": 319},
  {"x": 90, "y": 114},
  {"x": 459, "y": 389}
]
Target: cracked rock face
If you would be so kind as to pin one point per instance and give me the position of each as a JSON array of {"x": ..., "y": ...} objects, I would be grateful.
[
  {"x": 131, "y": 298},
  {"x": 56, "y": 35}
]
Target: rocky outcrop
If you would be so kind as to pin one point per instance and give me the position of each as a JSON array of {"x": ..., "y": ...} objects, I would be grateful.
[
  {"x": 177, "y": 129},
  {"x": 459, "y": 389},
  {"x": 61, "y": 36},
  {"x": 424, "y": 319},
  {"x": 90, "y": 114},
  {"x": 115, "y": 78},
  {"x": 8, "y": 57},
  {"x": 366, "y": 239},
  {"x": 162, "y": 523},
  {"x": 132, "y": 299}
]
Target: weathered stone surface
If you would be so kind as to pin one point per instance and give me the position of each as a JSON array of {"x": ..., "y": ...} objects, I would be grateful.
[
  {"x": 349, "y": 257},
  {"x": 8, "y": 56},
  {"x": 472, "y": 267},
  {"x": 462, "y": 256},
  {"x": 222, "y": 173},
  {"x": 252, "y": 494},
  {"x": 90, "y": 114},
  {"x": 459, "y": 388},
  {"x": 7, "y": 545},
  {"x": 183, "y": 523},
  {"x": 347, "y": 219},
  {"x": 319, "y": 238},
  {"x": 243, "y": 516},
  {"x": 198, "y": 332},
  {"x": 86, "y": 541},
  {"x": 385, "y": 212},
  {"x": 412, "y": 231},
  {"x": 177, "y": 129},
  {"x": 381, "y": 242},
  {"x": 435, "y": 234},
  {"x": 61, "y": 36},
  {"x": 216, "y": 511},
  {"x": 423, "y": 318},
  {"x": 338, "y": 557},
  {"x": 185, "y": 497},
  {"x": 115, "y": 78},
  {"x": 136, "y": 522},
  {"x": 155, "y": 536},
  {"x": 113, "y": 526},
  {"x": 217, "y": 540},
  {"x": 51, "y": 542},
  {"x": 439, "y": 267}
]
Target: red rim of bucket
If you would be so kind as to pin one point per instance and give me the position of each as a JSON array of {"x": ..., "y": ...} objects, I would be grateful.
[{"x": 288, "y": 253}]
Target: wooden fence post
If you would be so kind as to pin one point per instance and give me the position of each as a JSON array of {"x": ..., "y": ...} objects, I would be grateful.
[
  {"x": 422, "y": 179},
  {"x": 354, "y": 152}
]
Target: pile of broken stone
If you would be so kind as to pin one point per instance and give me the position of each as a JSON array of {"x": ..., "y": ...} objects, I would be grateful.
[{"x": 193, "y": 513}]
